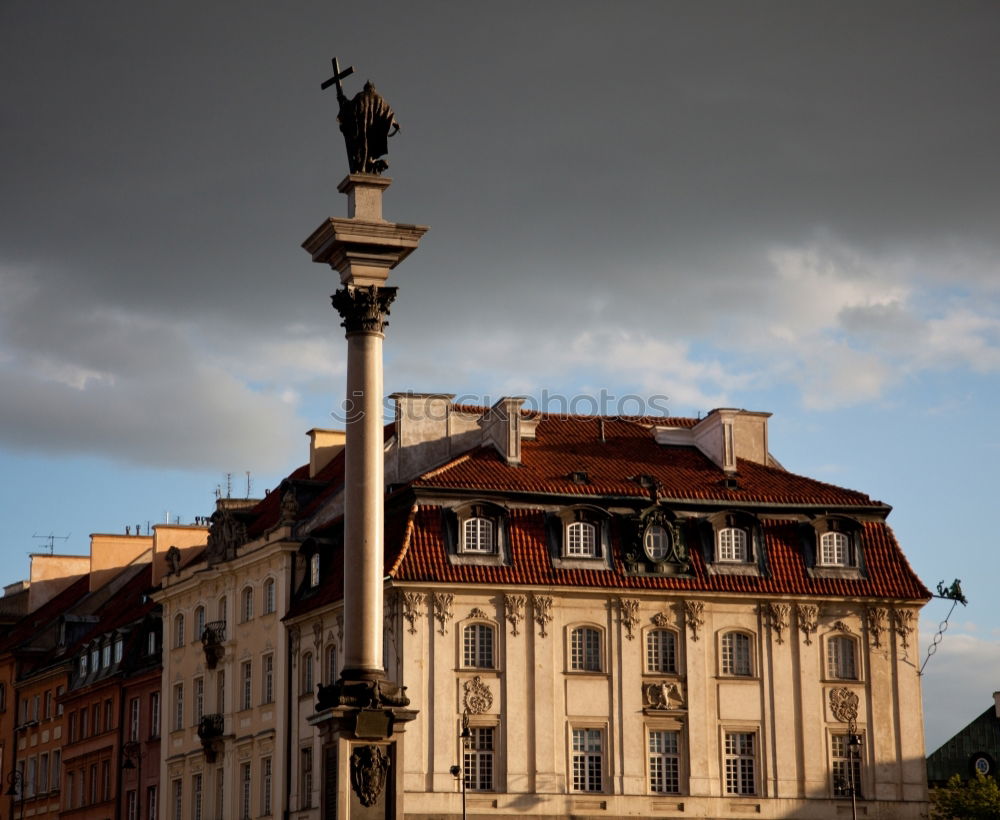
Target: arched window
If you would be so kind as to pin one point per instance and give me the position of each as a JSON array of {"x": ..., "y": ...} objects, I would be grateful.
[
  {"x": 331, "y": 664},
  {"x": 656, "y": 542},
  {"x": 179, "y": 629},
  {"x": 307, "y": 673},
  {"x": 661, "y": 651},
  {"x": 841, "y": 658},
  {"x": 581, "y": 539},
  {"x": 477, "y": 646},
  {"x": 834, "y": 550},
  {"x": 478, "y": 535},
  {"x": 222, "y": 610},
  {"x": 269, "y": 597},
  {"x": 585, "y": 649},
  {"x": 733, "y": 544},
  {"x": 246, "y": 604},
  {"x": 199, "y": 622},
  {"x": 737, "y": 657},
  {"x": 314, "y": 570}
]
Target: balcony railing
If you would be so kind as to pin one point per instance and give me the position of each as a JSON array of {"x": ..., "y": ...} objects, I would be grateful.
[
  {"x": 213, "y": 636},
  {"x": 211, "y": 728}
]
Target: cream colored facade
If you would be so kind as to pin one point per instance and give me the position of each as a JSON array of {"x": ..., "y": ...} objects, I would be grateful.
[{"x": 233, "y": 765}]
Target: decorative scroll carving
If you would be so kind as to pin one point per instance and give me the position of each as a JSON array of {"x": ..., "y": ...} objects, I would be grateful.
[
  {"x": 477, "y": 613},
  {"x": 363, "y": 309},
  {"x": 412, "y": 603},
  {"x": 289, "y": 508},
  {"x": 317, "y": 635},
  {"x": 807, "y": 616},
  {"x": 340, "y": 627},
  {"x": 877, "y": 618},
  {"x": 844, "y": 704},
  {"x": 225, "y": 535},
  {"x": 629, "y": 614},
  {"x": 663, "y": 695},
  {"x": 442, "y": 608},
  {"x": 174, "y": 561},
  {"x": 902, "y": 623},
  {"x": 661, "y": 619},
  {"x": 369, "y": 767},
  {"x": 293, "y": 640},
  {"x": 840, "y": 626},
  {"x": 364, "y": 694},
  {"x": 478, "y": 698},
  {"x": 514, "y": 609},
  {"x": 541, "y": 606},
  {"x": 777, "y": 617},
  {"x": 694, "y": 616}
]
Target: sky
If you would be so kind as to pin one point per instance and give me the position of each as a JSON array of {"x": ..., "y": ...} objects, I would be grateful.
[{"x": 781, "y": 206}]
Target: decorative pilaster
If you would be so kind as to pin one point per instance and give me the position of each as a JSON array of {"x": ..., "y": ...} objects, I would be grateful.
[
  {"x": 541, "y": 606},
  {"x": 514, "y": 609},
  {"x": 694, "y": 616},
  {"x": 877, "y": 618},
  {"x": 902, "y": 623},
  {"x": 442, "y": 608},
  {"x": 807, "y": 617},
  {"x": 412, "y": 603},
  {"x": 629, "y": 608},
  {"x": 363, "y": 309},
  {"x": 777, "y": 618}
]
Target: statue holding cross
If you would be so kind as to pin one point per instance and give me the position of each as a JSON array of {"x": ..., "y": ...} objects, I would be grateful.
[{"x": 366, "y": 121}]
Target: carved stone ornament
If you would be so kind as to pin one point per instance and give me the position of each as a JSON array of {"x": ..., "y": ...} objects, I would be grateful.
[
  {"x": 366, "y": 121},
  {"x": 877, "y": 618},
  {"x": 289, "y": 508},
  {"x": 902, "y": 623},
  {"x": 369, "y": 768},
  {"x": 442, "y": 608},
  {"x": 807, "y": 616},
  {"x": 694, "y": 616},
  {"x": 514, "y": 608},
  {"x": 174, "y": 561},
  {"x": 477, "y": 614},
  {"x": 477, "y": 697},
  {"x": 777, "y": 617},
  {"x": 340, "y": 627},
  {"x": 844, "y": 704},
  {"x": 541, "y": 606},
  {"x": 293, "y": 640},
  {"x": 840, "y": 626},
  {"x": 663, "y": 695},
  {"x": 412, "y": 603},
  {"x": 661, "y": 619},
  {"x": 317, "y": 635},
  {"x": 629, "y": 614},
  {"x": 363, "y": 309},
  {"x": 225, "y": 536}
]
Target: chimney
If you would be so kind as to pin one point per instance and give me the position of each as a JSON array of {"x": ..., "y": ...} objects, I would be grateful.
[
  {"x": 51, "y": 574},
  {"x": 166, "y": 536},
  {"x": 324, "y": 447},
  {"x": 110, "y": 554},
  {"x": 724, "y": 435},
  {"x": 502, "y": 428}
]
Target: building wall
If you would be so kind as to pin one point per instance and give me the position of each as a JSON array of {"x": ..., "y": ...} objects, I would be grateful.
[{"x": 39, "y": 736}]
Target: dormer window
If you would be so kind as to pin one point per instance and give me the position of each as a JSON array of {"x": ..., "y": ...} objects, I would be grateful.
[
  {"x": 581, "y": 539},
  {"x": 733, "y": 545},
  {"x": 835, "y": 550},
  {"x": 314, "y": 570},
  {"x": 656, "y": 542},
  {"x": 478, "y": 536},
  {"x": 83, "y": 666}
]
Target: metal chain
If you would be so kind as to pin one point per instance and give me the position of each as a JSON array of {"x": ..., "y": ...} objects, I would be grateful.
[{"x": 938, "y": 637}]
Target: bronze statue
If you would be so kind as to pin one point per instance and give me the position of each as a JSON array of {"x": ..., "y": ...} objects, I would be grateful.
[{"x": 366, "y": 122}]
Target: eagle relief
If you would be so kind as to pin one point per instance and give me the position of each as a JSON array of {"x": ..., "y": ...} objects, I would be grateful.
[{"x": 369, "y": 768}]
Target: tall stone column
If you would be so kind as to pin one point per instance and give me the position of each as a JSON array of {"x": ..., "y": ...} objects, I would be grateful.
[{"x": 362, "y": 715}]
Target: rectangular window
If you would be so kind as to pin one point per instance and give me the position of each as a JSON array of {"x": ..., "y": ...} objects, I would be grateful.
[
  {"x": 56, "y": 769},
  {"x": 106, "y": 655},
  {"x": 151, "y": 803},
  {"x": 59, "y": 693},
  {"x": 84, "y": 722},
  {"x": 220, "y": 692},
  {"x": 29, "y": 778},
  {"x": 245, "y": 791},
  {"x": 105, "y": 780},
  {"x": 43, "y": 773},
  {"x": 661, "y": 651},
  {"x": 178, "y": 706},
  {"x": 307, "y": 778},
  {"x": 118, "y": 650},
  {"x": 36, "y": 708},
  {"x": 69, "y": 790},
  {"x": 48, "y": 704},
  {"x": 269, "y": 598},
  {"x": 220, "y": 791},
  {"x": 133, "y": 726},
  {"x": 154, "y": 714},
  {"x": 108, "y": 715},
  {"x": 846, "y": 760},
  {"x": 736, "y": 658},
  {"x": 268, "y": 693},
  {"x": 741, "y": 763},
  {"x": 477, "y": 646},
  {"x": 664, "y": 762},
  {"x": 199, "y": 699},
  {"x": 246, "y": 672},
  {"x": 588, "y": 760},
  {"x": 131, "y": 805},
  {"x": 93, "y": 783},
  {"x": 585, "y": 650},
  {"x": 177, "y": 802},
  {"x": 96, "y": 712},
  {"x": 197, "y": 785},
  {"x": 151, "y": 643},
  {"x": 478, "y": 759},
  {"x": 265, "y": 786},
  {"x": 840, "y": 658},
  {"x": 72, "y": 727}
]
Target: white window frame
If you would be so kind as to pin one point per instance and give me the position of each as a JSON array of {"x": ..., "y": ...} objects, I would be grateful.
[
  {"x": 199, "y": 699},
  {"x": 179, "y": 630},
  {"x": 478, "y": 653},
  {"x": 245, "y": 790},
  {"x": 733, "y": 545},
  {"x": 246, "y": 684},
  {"x": 656, "y": 542},
  {"x": 586, "y": 649},
  {"x": 308, "y": 673},
  {"x": 178, "y": 723},
  {"x": 842, "y": 662},
  {"x": 661, "y": 659},
  {"x": 267, "y": 678},
  {"x": 246, "y": 604},
  {"x": 734, "y": 662},
  {"x": 663, "y": 757},
  {"x": 266, "y": 787},
  {"x": 314, "y": 570},
  {"x": 736, "y": 760},
  {"x": 479, "y": 536},
  {"x": 587, "y": 749},
  {"x": 199, "y": 622},
  {"x": 842, "y": 762},
  {"x": 479, "y": 759},
  {"x": 581, "y": 539},
  {"x": 835, "y": 549},
  {"x": 270, "y": 596}
]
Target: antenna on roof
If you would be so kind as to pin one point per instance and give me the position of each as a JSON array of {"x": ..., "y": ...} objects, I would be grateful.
[
  {"x": 51, "y": 539},
  {"x": 249, "y": 483},
  {"x": 229, "y": 485},
  {"x": 217, "y": 492}
]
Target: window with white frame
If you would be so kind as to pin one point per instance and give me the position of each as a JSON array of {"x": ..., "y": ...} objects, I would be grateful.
[
  {"x": 845, "y": 759},
  {"x": 588, "y": 760},
  {"x": 246, "y": 684},
  {"x": 177, "y": 786},
  {"x": 314, "y": 570},
  {"x": 307, "y": 673},
  {"x": 245, "y": 790},
  {"x": 331, "y": 664},
  {"x": 119, "y": 644},
  {"x": 656, "y": 542},
  {"x": 664, "y": 761},
  {"x": 477, "y": 646},
  {"x": 585, "y": 649},
  {"x": 152, "y": 805},
  {"x": 269, "y": 596},
  {"x": 581, "y": 539},
  {"x": 199, "y": 623},
  {"x": 267, "y": 693},
  {"x": 741, "y": 763},
  {"x": 478, "y": 759},
  {"x": 835, "y": 550},
  {"x": 179, "y": 630},
  {"x": 131, "y": 805},
  {"x": 106, "y": 655},
  {"x": 733, "y": 545},
  {"x": 197, "y": 795},
  {"x": 737, "y": 655},
  {"x": 199, "y": 699},
  {"x": 133, "y": 719},
  {"x": 479, "y": 535},
  {"x": 661, "y": 651},
  {"x": 154, "y": 714},
  {"x": 306, "y": 777},
  {"x": 178, "y": 706},
  {"x": 266, "y": 789},
  {"x": 246, "y": 604},
  {"x": 841, "y": 658}
]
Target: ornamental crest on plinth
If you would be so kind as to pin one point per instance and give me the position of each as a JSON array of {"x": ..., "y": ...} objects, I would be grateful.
[
  {"x": 844, "y": 704},
  {"x": 369, "y": 767},
  {"x": 478, "y": 698}
]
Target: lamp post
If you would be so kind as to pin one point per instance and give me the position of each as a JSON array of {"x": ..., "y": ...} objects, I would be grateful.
[
  {"x": 459, "y": 771},
  {"x": 853, "y": 755},
  {"x": 15, "y": 780},
  {"x": 132, "y": 759}
]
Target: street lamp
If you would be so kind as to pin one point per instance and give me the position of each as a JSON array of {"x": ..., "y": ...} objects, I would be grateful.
[
  {"x": 132, "y": 759},
  {"x": 15, "y": 780},
  {"x": 459, "y": 771}
]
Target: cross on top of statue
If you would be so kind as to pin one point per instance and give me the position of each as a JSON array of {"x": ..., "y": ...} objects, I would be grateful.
[{"x": 366, "y": 121}]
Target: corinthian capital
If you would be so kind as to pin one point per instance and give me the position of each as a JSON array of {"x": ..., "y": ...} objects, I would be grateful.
[{"x": 363, "y": 309}]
